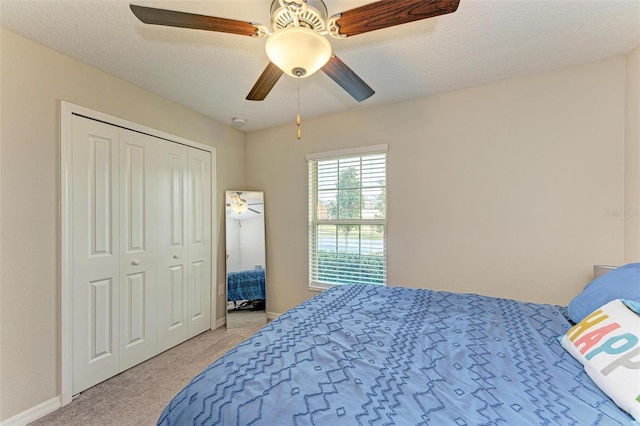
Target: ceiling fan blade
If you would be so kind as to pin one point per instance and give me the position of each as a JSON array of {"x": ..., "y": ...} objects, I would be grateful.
[
  {"x": 347, "y": 79},
  {"x": 389, "y": 13},
  {"x": 171, "y": 18},
  {"x": 265, "y": 83},
  {"x": 255, "y": 211}
]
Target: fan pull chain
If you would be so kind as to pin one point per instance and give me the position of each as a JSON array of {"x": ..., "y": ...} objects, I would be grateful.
[{"x": 298, "y": 121}]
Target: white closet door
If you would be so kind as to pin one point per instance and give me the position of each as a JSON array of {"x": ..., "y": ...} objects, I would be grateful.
[
  {"x": 138, "y": 262},
  {"x": 173, "y": 262},
  {"x": 96, "y": 253},
  {"x": 141, "y": 247},
  {"x": 199, "y": 240}
]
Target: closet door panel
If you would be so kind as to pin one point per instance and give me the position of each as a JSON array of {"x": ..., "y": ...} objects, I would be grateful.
[
  {"x": 140, "y": 245},
  {"x": 199, "y": 240},
  {"x": 138, "y": 263},
  {"x": 173, "y": 276},
  {"x": 96, "y": 251}
]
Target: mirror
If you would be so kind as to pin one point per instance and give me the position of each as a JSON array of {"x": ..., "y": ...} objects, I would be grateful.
[{"x": 246, "y": 271}]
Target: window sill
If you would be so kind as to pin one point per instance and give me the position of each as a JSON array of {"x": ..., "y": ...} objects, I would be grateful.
[{"x": 319, "y": 287}]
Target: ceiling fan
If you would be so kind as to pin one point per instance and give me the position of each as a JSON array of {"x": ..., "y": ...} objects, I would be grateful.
[
  {"x": 297, "y": 44},
  {"x": 239, "y": 204}
]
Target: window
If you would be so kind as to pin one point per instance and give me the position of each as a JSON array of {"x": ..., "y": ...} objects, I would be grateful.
[{"x": 348, "y": 217}]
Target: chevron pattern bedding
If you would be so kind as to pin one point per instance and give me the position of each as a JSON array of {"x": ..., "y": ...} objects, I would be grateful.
[{"x": 370, "y": 355}]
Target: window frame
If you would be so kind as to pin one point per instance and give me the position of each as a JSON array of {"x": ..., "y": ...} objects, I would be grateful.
[{"x": 314, "y": 222}]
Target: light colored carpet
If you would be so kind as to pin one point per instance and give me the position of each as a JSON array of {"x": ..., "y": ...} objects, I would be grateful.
[{"x": 138, "y": 395}]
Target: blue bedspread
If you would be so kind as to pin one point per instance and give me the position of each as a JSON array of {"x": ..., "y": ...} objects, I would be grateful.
[
  {"x": 369, "y": 355},
  {"x": 246, "y": 285}
]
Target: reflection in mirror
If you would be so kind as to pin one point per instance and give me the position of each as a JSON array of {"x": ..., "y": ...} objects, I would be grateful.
[{"x": 246, "y": 272}]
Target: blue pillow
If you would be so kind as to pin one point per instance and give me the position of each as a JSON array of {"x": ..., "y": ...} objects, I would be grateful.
[{"x": 620, "y": 283}]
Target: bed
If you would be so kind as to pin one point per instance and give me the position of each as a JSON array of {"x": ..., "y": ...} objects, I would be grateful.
[
  {"x": 369, "y": 355},
  {"x": 246, "y": 285}
]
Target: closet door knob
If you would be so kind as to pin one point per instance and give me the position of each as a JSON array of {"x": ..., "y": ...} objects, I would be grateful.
[
  {"x": 175, "y": 256},
  {"x": 135, "y": 262}
]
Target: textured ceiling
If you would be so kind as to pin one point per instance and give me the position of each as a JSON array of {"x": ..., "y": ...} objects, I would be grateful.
[{"x": 483, "y": 41}]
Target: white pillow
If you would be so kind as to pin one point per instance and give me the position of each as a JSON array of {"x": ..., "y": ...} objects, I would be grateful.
[{"x": 607, "y": 343}]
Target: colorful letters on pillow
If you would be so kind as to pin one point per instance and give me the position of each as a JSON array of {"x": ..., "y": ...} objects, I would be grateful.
[{"x": 607, "y": 343}]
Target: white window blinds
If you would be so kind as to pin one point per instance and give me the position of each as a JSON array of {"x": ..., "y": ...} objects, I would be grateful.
[{"x": 347, "y": 217}]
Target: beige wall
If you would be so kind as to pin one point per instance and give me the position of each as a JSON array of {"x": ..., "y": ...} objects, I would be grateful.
[
  {"x": 632, "y": 159},
  {"x": 33, "y": 81},
  {"x": 503, "y": 189}
]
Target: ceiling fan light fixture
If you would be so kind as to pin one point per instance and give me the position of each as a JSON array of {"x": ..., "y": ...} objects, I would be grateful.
[
  {"x": 298, "y": 51},
  {"x": 239, "y": 208}
]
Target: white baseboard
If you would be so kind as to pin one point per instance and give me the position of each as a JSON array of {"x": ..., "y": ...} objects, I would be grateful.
[
  {"x": 220, "y": 322},
  {"x": 272, "y": 315},
  {"x": 33, "y": 413}
]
